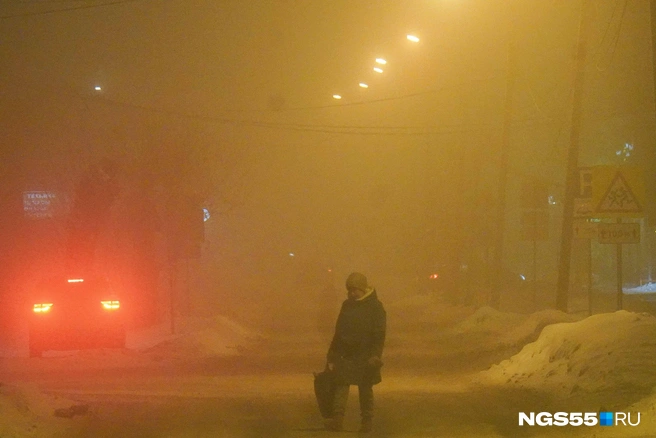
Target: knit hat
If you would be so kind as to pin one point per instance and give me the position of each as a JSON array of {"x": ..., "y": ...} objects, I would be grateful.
[{"x": 356, "y": 281}]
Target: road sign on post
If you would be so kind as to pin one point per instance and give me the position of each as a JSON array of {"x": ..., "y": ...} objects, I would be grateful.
[
  {"x": 583, "y": 202},
  {"x": 627, "y": 232},
  {"x": 584, "y": 230},
  {"x": 618, "y": 192},
  {"x": 585, "y": 182}
]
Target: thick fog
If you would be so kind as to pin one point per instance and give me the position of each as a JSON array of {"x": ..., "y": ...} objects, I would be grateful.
[
  {"x": 227, "y": 163},
  {"x": 232, "y": 103}
]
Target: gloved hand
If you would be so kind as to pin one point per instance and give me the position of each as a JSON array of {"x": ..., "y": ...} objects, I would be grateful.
[{"x": 374, "y": 361}]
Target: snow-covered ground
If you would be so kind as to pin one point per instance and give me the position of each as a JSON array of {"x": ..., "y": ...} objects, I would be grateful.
[
  {"x": 27, "y": 412},
  {"x": 602, "y": 362}
]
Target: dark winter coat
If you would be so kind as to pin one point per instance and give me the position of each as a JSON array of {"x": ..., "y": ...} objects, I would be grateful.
[{"x": 359, "y": 336}]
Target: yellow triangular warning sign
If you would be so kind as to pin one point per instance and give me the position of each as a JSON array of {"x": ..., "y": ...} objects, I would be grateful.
[{"x": 619, "y": 198}]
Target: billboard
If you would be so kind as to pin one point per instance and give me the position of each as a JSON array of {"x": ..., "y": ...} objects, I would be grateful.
[{"x": 42, "y": 204}]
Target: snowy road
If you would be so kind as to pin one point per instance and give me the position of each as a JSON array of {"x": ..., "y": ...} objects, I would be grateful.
[
  {"x": 467, "y": 375},
  {"x": 236, "y": 398}
]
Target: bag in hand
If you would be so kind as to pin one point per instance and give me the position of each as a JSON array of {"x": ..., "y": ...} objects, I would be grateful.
[{"x": 324, "y": 390}]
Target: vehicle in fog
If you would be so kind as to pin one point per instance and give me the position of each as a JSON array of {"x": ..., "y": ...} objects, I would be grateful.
[{"x": 73, "y": 313}]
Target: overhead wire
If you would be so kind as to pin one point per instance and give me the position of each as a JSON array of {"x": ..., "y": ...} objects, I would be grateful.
[
  {"x": 68, "y": 9},
  {"x": 332, "y": 129},
  {"x": 365, "y": 102},
  {"x": 398, "y": 130},
  {"x": 608, "y": 25},
  {"x": 613, "y": 44},
  {"x": 348, "y": 129}
]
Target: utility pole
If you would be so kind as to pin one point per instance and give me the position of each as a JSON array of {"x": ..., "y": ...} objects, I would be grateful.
[
  {"x": 653, "y": 43},
  {"x": 651, "y": 177},
  {"x": 651, "y": 212},
  {"x": 511, "y": 73},
  {"x": 572, "y": 177}
]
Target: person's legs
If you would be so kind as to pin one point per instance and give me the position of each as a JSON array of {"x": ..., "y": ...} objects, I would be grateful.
[
  {"x": 366, "y": 395},
  {"x": 339, "y": 407}
]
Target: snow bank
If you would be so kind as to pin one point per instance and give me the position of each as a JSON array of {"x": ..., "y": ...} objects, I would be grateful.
[
  {"x": 487, "y": 320},
  {"x": 198, "y": 338},
  {"x": 645, "y": 288},
  {"x": 204, "y": 337},
  {"x": 489, "y": 329},
  {"x": 606, "y": 352}
]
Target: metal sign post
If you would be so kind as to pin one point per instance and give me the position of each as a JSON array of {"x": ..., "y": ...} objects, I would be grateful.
[
  {"x": 619, "y": 233},
  {"x": 535, "y": 226},
  {"x": 618, "y": 192},
  {"x": 620, "y": 292},
  {"x": 583, "y": 228}
]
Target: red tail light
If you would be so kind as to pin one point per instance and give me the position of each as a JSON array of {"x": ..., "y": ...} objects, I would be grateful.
[
  {"x": 42, "y": 307},
  {"x": 111, "y": 304}
]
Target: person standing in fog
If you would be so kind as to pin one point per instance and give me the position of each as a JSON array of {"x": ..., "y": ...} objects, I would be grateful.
[{"x": 355, "y": 353}]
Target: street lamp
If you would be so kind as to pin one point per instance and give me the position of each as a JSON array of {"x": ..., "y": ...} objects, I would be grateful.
[
  {"x": 363, "y": 85},
  {"x": 378, "y": 69},
  {"x": 337, "y": 96},
  {"x": 413, "y": 38}
]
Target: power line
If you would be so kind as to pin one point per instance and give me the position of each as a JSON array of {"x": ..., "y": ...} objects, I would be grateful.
[
  {"x": 333, "y": 129},
  {"x": 349, "y": 129},
  {"x": 386, "y": 99},
  {"x": 610, "y": 22},
  {"x": 613, "y": 44},
  {"x": 619, "y": 30},
  {"x": 72, "y": 8}
]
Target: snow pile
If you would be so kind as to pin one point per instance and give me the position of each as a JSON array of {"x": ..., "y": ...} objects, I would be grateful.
[
  {"x": 494, "y": 329},
  {"x": 645, "y": 288},
  {"x": 26, "y": 412},
  {"x": 602, "y": 353},
  {"x": 487, "y": 320},
  {"x": 204, "y": 337},
  {"x": 529, "y": 328}
]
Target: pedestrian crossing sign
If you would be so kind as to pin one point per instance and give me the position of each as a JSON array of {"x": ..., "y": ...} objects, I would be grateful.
[{"x": 618, "y": 192}]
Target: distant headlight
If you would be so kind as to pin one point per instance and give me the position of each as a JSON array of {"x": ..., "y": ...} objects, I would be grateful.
[
  {"x": 42, "y": 307},
  {"x": 111, "y": 305}
]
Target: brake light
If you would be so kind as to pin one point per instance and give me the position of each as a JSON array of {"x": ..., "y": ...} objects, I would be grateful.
[
  {"x": 42, "y": 307},
  {"x": 111, "y": 305}
]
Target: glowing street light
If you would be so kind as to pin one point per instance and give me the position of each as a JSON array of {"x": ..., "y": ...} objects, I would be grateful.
[
  {"x": 337, "y": 96},
  {"x": 412, "y": 38},
  {"x": 381, "y": 61},
  {"x": 97, "y": 88},
  {"x": 363, "y": 85},
  {"x": 378, "y": 69}
]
